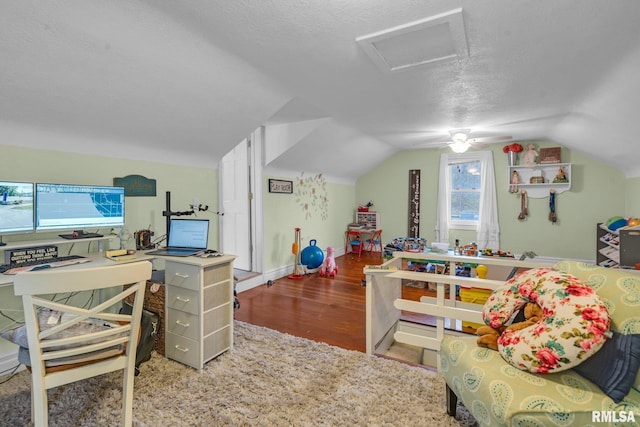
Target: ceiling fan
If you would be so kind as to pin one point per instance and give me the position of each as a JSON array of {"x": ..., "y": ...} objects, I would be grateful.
[{"x": 460, "y": 141}]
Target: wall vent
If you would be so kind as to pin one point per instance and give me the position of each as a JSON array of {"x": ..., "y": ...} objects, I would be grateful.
[{"x": 430, "y": 40}]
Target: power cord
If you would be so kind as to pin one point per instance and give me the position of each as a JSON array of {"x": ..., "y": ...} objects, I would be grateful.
[{"x": 13, "y": 371}]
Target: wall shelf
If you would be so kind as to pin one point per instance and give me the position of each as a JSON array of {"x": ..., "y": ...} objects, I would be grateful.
[{"x": 548, "y": 173}]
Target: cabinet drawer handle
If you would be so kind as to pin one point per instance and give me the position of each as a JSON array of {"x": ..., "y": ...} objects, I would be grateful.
[
  {"x": 183, "y": 299},
  {"x": 184, "y": 276},
  {"x": 182, "y": 349},
  {"x": 186, "y": 325}
]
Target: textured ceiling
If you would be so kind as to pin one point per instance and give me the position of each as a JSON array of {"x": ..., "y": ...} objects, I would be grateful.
[{"x": 183, "y": 81}]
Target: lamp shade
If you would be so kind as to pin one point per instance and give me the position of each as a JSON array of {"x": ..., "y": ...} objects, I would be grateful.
[{"x": 459, "y": 146}]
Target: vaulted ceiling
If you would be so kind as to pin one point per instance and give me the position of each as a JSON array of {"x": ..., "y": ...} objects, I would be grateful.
[{"x": 183, "y": 81}]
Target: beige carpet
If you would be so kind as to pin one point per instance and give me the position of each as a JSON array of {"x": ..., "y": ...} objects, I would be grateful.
[{"x": 269, "y": 379}]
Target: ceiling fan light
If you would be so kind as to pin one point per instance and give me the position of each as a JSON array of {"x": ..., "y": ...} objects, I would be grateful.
[
  {"x": 459, "y": 146},
  {"x": 459, "y": 137}
]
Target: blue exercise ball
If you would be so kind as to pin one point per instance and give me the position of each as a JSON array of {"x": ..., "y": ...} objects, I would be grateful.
[{"x": 312, "y": 256}]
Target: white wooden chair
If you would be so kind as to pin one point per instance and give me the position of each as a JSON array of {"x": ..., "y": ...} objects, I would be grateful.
[{"x": 62, "y": 358}]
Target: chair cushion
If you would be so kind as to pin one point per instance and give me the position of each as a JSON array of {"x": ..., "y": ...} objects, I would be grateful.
[
  {"x": 498, "y": 394},
  {"x": 49, "y": 318},
  {"x": 571, "y": 328},
  {"x": 71, "y": 361}
]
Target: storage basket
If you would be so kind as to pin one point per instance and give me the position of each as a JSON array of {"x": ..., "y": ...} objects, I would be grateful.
[{"x": 154, "y": 301}]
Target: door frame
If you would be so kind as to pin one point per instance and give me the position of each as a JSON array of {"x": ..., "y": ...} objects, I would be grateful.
[{"x": 255, "y": 155}]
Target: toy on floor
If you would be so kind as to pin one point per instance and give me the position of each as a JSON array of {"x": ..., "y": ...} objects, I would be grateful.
[
  {"x": 298, "y": 272},
  {"x": 312, "y": 256},
  {"x": 329, "y": 268},
  {"x": 488, "y": 336}
]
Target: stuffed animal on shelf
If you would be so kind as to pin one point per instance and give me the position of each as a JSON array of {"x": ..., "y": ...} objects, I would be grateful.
[
  {"x": 488, "y": 336},
  {"x": 530, "y": 156},
  {"x": 329, "y": 267}
]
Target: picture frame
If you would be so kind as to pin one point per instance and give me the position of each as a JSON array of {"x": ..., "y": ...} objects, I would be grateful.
[
  {"x": 280, "y": 186},
  {"x": 550, "y": 155}
]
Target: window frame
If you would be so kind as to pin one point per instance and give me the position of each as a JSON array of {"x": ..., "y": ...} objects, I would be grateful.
[{"x": 457, "y": 224}]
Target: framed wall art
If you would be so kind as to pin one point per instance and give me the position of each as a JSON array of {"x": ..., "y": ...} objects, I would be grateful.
[
  {"x": 280, "y": 186},
  {"x": 550, "y": 155}
]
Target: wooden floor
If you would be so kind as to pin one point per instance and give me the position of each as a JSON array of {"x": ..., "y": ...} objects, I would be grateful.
[{"x": 330, "y": 310}]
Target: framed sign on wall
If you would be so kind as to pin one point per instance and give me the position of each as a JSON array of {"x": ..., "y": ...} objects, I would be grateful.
[
  {"x": 280, "y": 186},
  {"x": 414, "y": 203}
]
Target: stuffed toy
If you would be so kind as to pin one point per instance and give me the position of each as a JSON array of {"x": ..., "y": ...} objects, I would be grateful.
[
  {"x": 488, "y": 336},
  {"x": 329, "y": 267},
  {"x": 530, "y": 155}
]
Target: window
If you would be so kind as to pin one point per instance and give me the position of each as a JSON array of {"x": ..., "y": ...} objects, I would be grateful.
[
  {"x": 464, "y": 187},
  {"x": 467, "y": 197}
]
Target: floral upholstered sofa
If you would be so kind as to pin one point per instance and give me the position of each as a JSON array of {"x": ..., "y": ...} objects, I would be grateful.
[{"x": 498, "y": 394}]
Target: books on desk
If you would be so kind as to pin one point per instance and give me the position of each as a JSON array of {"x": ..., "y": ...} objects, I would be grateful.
[{"x": 119, "y": 255}]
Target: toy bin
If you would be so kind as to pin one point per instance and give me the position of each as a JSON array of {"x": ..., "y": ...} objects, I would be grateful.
[{"x": 474, "y": 296}]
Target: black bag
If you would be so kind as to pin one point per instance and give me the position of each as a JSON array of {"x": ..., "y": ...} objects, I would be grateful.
[{"x": 149, "y": 327}]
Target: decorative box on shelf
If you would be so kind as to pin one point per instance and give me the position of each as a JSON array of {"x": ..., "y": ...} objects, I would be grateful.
[{"x": 550, "y": 155}]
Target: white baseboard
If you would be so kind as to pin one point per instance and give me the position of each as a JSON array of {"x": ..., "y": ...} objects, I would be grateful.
[
  {"x": 260, "y": 279},
  {"x": 274, "y": 274}
]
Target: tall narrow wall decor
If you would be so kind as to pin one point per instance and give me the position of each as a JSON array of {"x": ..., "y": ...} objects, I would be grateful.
[{"x": 414, "y": 204}]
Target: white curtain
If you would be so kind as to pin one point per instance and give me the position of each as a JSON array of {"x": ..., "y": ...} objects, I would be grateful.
[
  {"x": 488, "y": 230},
  {"x": 444, "y": 201}
]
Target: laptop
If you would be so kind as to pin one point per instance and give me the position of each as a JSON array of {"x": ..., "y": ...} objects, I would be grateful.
[{"x": 186, "y": 237}]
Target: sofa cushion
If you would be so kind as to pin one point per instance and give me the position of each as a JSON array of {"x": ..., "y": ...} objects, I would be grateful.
[
  {"x": 615, "y": 366},
  {"x": 571, "y": 328},
  {"x": 498, "y": 394},
  {"x": 620, "y": 292}
]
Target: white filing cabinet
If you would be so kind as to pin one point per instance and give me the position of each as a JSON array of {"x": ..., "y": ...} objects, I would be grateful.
[{"x": 199, "y": 308}]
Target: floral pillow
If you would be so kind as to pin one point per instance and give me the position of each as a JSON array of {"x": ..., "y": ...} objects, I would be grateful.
[{"x": 572, "y": 327}]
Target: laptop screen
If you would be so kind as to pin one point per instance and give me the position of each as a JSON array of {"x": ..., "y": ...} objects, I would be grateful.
[{"x": 188, "y": 233}]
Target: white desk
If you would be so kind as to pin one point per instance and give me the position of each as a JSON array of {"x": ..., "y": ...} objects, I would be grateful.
[
  {"x": 97, "y": 260},
  {"x": 198, "y": 304},
  {"x": 6, "y": 279}
]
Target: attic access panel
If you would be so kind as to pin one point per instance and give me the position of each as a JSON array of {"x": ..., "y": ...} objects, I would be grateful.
[{"x": 434, "y": 39}]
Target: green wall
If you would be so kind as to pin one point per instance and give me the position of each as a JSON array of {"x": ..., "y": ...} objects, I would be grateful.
[
  {"x": 324, "y": 220},
  {"x": 597, "y": 193},
  {"x": 184, "y": 183},
  {"x": 632, "y": 198}
]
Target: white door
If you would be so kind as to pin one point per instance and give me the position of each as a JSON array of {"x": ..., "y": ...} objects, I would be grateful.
[{"x": 236, "y": 204}]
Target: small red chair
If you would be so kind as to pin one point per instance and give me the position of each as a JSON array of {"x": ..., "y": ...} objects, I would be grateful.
[
  {"x": 353, "y": 236},
  {"x": 374, "y": 241}
]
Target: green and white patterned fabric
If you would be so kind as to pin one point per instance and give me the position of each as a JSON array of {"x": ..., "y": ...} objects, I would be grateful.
[{"x": 498, "y": 394}]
